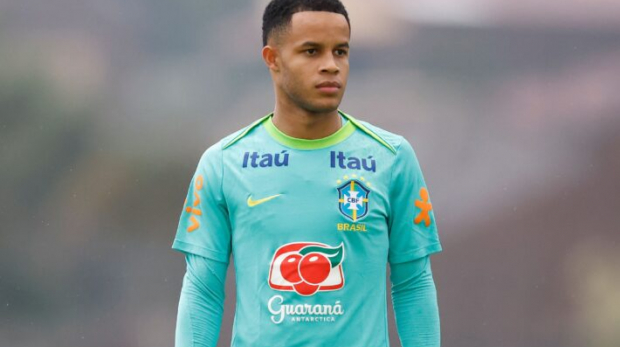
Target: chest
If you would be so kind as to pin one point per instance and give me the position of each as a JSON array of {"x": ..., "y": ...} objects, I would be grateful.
[{"x": 307, "y": 194}]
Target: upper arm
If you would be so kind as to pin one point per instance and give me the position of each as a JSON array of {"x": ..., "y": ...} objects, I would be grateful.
[
  {"x": 412, "y": 227},
  {"x": 204, "y": 226}
]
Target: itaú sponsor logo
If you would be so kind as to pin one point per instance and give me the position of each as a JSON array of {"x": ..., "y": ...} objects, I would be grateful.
[
  {"x": 257, "y": 160},
  {"x": 338, "y": 159},
  {"x": 303, "y": 312},
  {"x": 307, "y": 268}
]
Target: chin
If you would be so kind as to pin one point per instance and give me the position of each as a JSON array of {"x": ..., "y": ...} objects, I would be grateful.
[{"x": 324, "y": 107}]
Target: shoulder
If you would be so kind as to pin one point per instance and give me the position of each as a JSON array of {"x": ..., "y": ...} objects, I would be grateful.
[
  {"x": 394, "y": 140},
  {"x": 228, "y": 141},
  {"x": 239, "y": 135},
  {"x": 391, "y": 141}
]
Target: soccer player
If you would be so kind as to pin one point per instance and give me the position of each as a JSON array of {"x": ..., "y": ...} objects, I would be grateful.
[{"x": 312, "y": 203}]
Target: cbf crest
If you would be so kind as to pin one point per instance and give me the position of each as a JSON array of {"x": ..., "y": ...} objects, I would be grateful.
[{"x": 353, "y": 200}]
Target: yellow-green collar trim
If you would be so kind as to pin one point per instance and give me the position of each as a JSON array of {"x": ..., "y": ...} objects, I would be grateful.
[
  {"x": 342, "y": 134},
  {"x": 333, "y": 139}
]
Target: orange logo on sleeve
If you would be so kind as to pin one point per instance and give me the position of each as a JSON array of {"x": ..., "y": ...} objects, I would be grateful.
[
  {"x": 426, "y": 208},
  {"x": 192, "y": 209}
]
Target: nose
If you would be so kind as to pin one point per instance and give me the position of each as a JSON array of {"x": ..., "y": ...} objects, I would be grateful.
[{"x": 329, "y": 64}]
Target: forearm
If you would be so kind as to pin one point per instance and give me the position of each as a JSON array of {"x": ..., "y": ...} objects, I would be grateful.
[
  {"x": 201, "y": 305},
  {"x": 414, "y": 299}
]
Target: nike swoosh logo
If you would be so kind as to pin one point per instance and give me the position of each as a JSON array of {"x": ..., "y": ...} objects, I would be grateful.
[{"x": 253, "y": 203}]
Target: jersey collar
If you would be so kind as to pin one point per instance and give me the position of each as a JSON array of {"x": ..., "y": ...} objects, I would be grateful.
[{"x": 342, "y": 134}]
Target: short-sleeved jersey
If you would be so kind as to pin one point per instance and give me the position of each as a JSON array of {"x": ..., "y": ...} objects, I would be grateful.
[{"x": 311, "y": 225}]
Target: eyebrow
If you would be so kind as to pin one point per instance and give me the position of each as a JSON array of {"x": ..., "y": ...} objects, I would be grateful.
[{"x": 316, "y": 44}]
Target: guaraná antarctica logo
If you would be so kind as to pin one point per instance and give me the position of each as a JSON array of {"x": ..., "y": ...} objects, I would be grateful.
[{"x": 306, "y": 268}]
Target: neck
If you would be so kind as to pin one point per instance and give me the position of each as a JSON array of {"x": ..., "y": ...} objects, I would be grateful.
[{"x": 303, "y": 124}]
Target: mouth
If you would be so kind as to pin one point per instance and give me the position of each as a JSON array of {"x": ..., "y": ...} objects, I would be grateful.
[{"x": 329, "y": 87}]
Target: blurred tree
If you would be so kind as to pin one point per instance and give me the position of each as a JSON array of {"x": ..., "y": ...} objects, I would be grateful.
[{"x": 42, "y": 135}]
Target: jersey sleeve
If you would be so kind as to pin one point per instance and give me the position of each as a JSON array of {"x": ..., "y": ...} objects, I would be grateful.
[
  {"x": 204, "y": 227},
  {"x": 412, "y": 227}
]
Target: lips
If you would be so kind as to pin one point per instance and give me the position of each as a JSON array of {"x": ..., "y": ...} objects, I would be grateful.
[
  {"x": 329, "y": 84},
  {"x": 330, "y": 88}
]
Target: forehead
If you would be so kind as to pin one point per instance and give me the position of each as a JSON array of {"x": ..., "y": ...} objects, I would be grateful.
[{"x": 318, "y": 26}]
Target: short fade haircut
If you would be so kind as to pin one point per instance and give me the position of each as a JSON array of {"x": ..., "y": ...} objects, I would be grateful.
[{"x": 278, "y": 13}]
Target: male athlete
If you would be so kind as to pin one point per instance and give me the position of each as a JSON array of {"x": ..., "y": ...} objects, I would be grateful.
[{"x": 312, "y": 204}]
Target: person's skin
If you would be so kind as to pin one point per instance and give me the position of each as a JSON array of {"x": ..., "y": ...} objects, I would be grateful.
[{"x": 309, "y": 65}]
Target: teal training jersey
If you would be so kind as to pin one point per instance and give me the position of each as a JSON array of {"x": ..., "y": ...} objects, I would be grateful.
[{"x": 311, "y": 225}]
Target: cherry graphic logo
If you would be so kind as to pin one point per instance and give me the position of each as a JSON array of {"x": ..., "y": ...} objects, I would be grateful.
[
  {"x": 305, "y": 288},
  {"x": 307, "y": 268},
  {"x": 314, "y": 268},
  {"x": 290, "y": 268}
]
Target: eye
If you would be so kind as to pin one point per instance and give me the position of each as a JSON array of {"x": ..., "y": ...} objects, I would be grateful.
[
  {"x": 341, "y": 52},
  {"x": 311, "y": 51}
]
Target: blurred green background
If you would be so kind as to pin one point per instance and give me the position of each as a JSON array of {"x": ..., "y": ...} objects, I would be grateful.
[{"x": 513, "y": 109}]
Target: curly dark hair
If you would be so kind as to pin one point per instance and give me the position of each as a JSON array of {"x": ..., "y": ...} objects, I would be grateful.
[{"x": 279, "y": 12}]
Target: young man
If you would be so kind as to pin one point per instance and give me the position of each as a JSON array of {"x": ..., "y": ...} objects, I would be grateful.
[{"x": 312, "y": 203}]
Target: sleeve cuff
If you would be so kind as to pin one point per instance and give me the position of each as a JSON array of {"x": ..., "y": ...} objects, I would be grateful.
[{"x": 185, "y": 247}]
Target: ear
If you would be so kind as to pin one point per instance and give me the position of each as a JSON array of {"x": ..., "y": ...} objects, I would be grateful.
[{"x": 270, "y": 55}]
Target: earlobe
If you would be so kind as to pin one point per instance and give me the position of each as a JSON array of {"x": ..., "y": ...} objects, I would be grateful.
[{"x": 270, "y": 58}]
